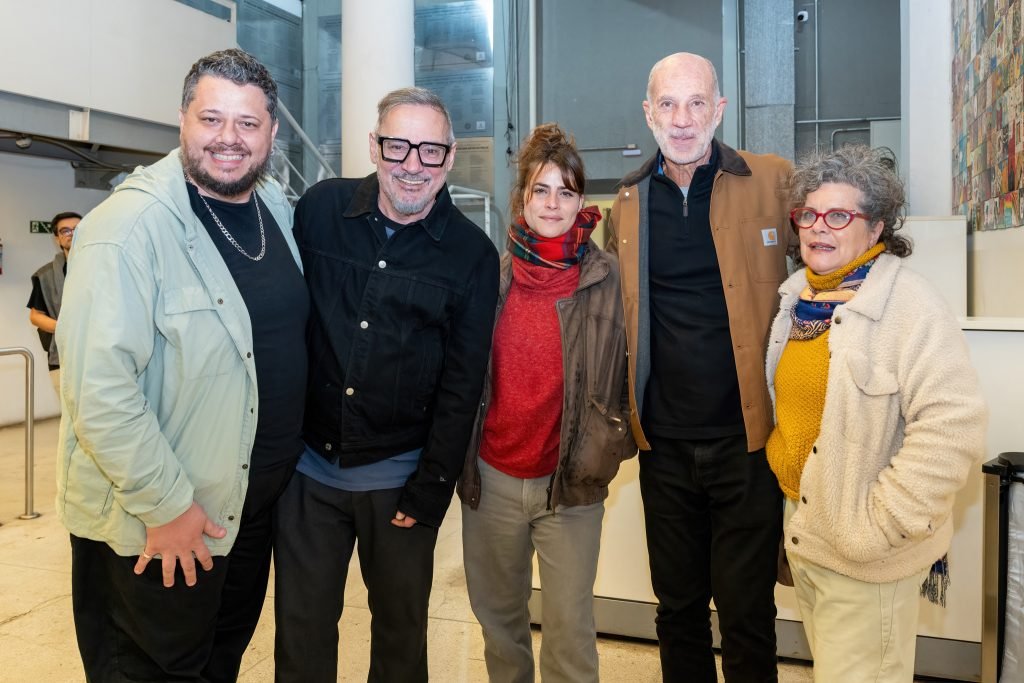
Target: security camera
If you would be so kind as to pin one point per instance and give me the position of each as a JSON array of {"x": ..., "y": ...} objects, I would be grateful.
[{"x": 802, "y": 16}]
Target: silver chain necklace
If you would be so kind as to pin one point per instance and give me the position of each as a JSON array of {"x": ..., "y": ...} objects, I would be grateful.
[{"x": 228, "y": 235}]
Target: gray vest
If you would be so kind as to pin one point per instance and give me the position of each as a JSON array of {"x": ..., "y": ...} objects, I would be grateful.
[{"x": 51, "y": 282}]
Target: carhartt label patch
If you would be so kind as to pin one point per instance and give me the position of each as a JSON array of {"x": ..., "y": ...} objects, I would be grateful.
[{"x": 770, "y": 237}]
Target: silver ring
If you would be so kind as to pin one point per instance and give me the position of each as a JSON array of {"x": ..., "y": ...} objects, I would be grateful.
[{"x": 147, "y": 555}]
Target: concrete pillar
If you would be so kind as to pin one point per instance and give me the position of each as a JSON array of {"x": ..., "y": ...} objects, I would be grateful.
[
  {"x": 770, "y": 92},
  {"x": 377, "y": 46}
]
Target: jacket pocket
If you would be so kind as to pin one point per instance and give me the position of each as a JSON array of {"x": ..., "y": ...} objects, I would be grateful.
[
  {"x": 872, "y": 410},
  {"x": 197, "y": 339},
  {"x": 762, "y": 245},
  {"x": 604, "y": 442}
]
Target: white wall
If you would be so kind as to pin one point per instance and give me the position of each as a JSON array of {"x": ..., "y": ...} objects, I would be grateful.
[
  {"x": 996, "y": 259},
  {"x": 120, "y": 56},
  {"x": 30, "y": 189}
]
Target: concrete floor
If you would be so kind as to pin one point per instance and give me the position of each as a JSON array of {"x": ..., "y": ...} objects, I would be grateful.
[{"x": 37, "y": 638}]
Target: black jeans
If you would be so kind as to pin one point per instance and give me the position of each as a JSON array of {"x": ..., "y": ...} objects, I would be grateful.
[
  {"x": 316, "y": 529},
  {"x": 131, "y": 628},
  {"x": 713, "y": 515}
]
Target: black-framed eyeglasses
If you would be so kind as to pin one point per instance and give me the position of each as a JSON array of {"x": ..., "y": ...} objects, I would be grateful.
[
  {"x": 65, "y": 232},
  {"x": 804, "y": 217},
  {"x": 396, "y": 150}
]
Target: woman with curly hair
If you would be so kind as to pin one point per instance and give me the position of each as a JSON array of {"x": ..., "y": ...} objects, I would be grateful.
[{"x": 878, "y": 420}]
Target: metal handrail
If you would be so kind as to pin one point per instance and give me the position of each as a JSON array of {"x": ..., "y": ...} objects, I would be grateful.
[
  {"x": 30, "y": 427},
  {"x": 291, "y": 193},
  {"x": 458, "y": 192}
]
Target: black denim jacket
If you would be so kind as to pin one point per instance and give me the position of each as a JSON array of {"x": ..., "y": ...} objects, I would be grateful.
[{"x": 399, "y": 334}]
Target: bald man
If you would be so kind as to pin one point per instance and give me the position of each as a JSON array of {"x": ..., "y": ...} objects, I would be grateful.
[{"x": 701, "y": 233}]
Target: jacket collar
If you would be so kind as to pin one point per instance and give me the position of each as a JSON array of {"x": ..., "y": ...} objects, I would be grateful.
[
  {"x": 364, "y": 201},
  {"x": 165, "y": 180},
  {"x": 730, "y": 161},
  {"x": 871, "y": 298}
]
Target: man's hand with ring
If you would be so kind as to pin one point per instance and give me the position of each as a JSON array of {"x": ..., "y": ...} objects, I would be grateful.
[{"x": 181, "y": 540}]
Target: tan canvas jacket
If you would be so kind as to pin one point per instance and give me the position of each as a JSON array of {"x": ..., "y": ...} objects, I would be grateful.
[{"x": 751, "y": 231}]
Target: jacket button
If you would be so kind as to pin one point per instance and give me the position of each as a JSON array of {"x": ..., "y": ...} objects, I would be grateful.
[
  {"x": 814, "y": 449},
  {"x": 838, "y": 320},
  {"x": 350, "y": 391},
  {"x": 231, "y": 518},
  {"x": 382, "y": 264},
  {"x": 625, "y": 194},
  {"x": 796, "y": 541},
  {"x": 625, "y": 241},
  {"x": 245, "y": 467},
  {"x": 363, "y": 325},
  {"x": 220, "y": 302},
  {"x": 248, "y": 354},
  {"x": 328, "y": 446},
  {"x": 803, "y": 499}
]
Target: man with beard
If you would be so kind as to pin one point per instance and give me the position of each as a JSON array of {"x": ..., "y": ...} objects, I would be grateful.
[
  {"x": 403, "y": 290},
  {"x": 701, "y": 232},
  {"x": 182, "y": 343}
]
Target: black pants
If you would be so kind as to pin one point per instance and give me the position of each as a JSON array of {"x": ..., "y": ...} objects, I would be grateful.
[
  {"x": 713, "y": 515},
  {"x": 316, "y": 529},
  {"x": 132, "y": 628}
]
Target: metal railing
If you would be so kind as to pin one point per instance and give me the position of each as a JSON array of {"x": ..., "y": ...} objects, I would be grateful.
[
  {"x": 30, "y": 427},
  {"x": 460, "y": 193},
  {"x": 293, "y": 193}
]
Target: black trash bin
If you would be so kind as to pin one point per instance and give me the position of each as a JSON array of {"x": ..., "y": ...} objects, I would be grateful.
[{"x": 1001, "y": 473}]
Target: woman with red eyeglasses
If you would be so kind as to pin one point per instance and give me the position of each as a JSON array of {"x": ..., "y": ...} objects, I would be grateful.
[{"x": 878, "y": 418}]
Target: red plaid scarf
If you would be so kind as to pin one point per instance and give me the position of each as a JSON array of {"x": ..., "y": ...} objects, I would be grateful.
[{"x": 560, "y": 252}]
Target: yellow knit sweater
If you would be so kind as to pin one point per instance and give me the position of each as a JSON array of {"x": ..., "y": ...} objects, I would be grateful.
[{"x": 800, "y": 381}]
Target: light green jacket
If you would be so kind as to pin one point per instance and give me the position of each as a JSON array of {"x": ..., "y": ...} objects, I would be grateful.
[{"x": 158, "y": 387}]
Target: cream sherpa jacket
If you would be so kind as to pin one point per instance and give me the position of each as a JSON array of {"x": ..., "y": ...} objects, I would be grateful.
[{"x": 902, "y": 426}]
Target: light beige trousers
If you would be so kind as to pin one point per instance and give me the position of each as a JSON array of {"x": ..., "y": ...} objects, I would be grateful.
[{"x": 858, "y": 632}]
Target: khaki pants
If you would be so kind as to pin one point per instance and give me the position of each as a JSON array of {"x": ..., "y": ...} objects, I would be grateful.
[
  {"x": 857, "y": 631},
  {"x": 499, "y": 540}
]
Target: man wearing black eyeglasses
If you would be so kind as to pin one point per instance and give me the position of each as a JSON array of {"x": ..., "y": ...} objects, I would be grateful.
[
  {"x": 48, "y": 290},
  {"x": 403, "y": 290}
]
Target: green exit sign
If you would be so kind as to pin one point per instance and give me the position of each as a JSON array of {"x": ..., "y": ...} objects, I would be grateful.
[{"x": 40, "y": 226}]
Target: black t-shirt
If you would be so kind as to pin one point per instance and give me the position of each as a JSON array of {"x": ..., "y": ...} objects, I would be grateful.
[
  {"x": 38, "y": 302},
  {"x": 693, "y": 392},
  {"x": 275, "y": 295}
]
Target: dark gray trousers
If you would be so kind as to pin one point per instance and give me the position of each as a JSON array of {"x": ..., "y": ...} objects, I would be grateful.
[{"x": 316, "y": 529}]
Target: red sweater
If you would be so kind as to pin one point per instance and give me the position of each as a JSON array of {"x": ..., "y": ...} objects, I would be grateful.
[{"x": 522, "y": 428}]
